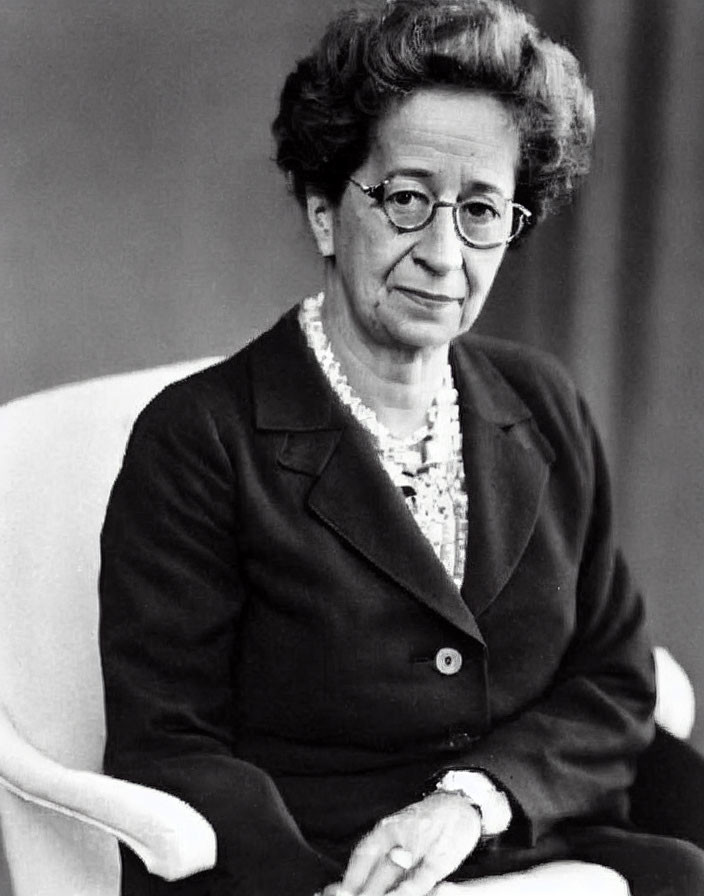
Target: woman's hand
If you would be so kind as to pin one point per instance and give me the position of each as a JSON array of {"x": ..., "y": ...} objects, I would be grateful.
[{"x": 428, "y": 841}]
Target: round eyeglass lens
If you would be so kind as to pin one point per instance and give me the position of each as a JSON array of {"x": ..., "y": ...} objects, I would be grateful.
[
  {"x": 408, "y": 209},
  {"x": 484, "y": 224}
]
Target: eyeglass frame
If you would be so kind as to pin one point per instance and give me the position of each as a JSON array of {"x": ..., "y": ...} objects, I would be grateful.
[{"x": 373, "y": 193}]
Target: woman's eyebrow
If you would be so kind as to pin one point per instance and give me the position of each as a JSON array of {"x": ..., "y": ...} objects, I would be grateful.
[
  {"x": 482, "y": 186},
  {"x": 418, "y": 173},
  {"x": 474, "y": 186}
]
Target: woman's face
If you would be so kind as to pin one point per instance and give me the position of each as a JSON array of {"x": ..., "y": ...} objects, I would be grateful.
[{"x": 420, "y": 289}]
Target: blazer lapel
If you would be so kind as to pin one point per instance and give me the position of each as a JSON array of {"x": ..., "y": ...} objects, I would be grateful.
[
  {"x": 506, "y": 461},
  {"x": 356, "y": 498}
]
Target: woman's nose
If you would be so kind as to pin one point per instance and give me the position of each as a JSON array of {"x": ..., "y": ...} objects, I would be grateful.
[{"x": 439, "y": 246}]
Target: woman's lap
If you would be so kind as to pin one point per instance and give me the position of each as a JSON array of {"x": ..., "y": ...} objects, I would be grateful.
[{"x": 652, "y": 865}]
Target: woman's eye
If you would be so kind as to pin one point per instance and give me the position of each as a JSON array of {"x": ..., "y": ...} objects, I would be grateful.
[
  {"x": 480, "y": 212},
  {"x": 408, "y": 199}
]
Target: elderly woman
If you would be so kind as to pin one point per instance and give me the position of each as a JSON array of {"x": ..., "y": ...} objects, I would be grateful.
[{"x": 361, "y": 605}]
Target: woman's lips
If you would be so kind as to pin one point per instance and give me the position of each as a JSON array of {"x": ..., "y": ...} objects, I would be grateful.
[{"x": 425, "y": 297}]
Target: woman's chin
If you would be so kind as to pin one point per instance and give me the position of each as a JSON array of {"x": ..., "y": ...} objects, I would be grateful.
[
  {"x": 436, "y": 332},
  {"x": 424, "y": 334}
]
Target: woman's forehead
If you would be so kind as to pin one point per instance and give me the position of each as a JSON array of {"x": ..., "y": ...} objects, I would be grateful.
[{"x": 463, "y": 134}]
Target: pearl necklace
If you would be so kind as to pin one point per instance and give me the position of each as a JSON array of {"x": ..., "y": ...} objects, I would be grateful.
[{"x": 427, "y": 465}]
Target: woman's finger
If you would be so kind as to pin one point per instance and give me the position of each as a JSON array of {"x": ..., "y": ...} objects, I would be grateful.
[
  {"x": 386, "y": 874},
  {"x": 371, "y": 852},
  {"x": 422, "y": 879}
]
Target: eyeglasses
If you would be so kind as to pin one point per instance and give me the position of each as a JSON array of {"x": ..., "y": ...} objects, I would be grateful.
[{"x": 484, "y": 221}]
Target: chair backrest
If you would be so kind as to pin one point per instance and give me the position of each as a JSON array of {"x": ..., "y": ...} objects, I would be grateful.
[{"x": 59, "y": 453}]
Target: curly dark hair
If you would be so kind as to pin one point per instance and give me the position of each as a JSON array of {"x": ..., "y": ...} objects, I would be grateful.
[{"x": 370, "y": 58}]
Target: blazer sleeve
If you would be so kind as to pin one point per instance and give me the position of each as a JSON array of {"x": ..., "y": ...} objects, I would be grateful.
[
  {"x": 573, "y": 753},
  {"x": 171, "y": 595}
]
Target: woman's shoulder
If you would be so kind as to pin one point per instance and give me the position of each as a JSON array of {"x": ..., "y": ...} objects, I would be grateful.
[
  {"x": 191, "y": 401},
  {"x": 525, "y": 379},
  {"x": 218, "y": 395},
  {"x": 530, "y": 371}
]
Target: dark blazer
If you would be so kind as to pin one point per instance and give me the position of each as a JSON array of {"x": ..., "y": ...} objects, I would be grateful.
[{"x": 271, "y": 615}]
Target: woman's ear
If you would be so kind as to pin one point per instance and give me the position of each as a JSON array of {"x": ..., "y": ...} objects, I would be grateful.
[{"x": 320, "y": 218}]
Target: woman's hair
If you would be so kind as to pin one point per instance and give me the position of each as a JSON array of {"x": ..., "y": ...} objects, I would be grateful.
[{"x": 368, "y": 59}]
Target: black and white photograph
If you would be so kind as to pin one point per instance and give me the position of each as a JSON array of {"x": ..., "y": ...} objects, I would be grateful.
[{"x": 351, "y": 448}]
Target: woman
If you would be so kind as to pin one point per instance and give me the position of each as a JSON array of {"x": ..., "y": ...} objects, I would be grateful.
[{"x": 361, "y": 606}]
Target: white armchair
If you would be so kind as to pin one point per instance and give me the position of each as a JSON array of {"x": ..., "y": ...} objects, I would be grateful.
[
  {"x": 60, "y": 450},
  {"x": 59, "y": 453}
]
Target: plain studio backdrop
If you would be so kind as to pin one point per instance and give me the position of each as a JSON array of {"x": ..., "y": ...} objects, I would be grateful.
[{"x": 143, "y": 221}]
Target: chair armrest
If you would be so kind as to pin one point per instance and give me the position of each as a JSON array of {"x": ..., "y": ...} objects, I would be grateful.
[
  {"x": 676, "y": 704},
  {"x": 168, "y": 835}
]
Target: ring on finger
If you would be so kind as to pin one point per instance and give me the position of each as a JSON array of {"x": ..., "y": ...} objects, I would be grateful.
[{"x": 400, "y": 857}]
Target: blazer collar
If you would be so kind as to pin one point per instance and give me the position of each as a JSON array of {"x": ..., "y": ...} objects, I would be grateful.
[
  {"x": 506, "y": 466},
  {"x": 290, "y": 393}
]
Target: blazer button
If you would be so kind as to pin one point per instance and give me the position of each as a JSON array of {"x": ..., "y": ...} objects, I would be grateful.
[{"x": 448, "y": 661}]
